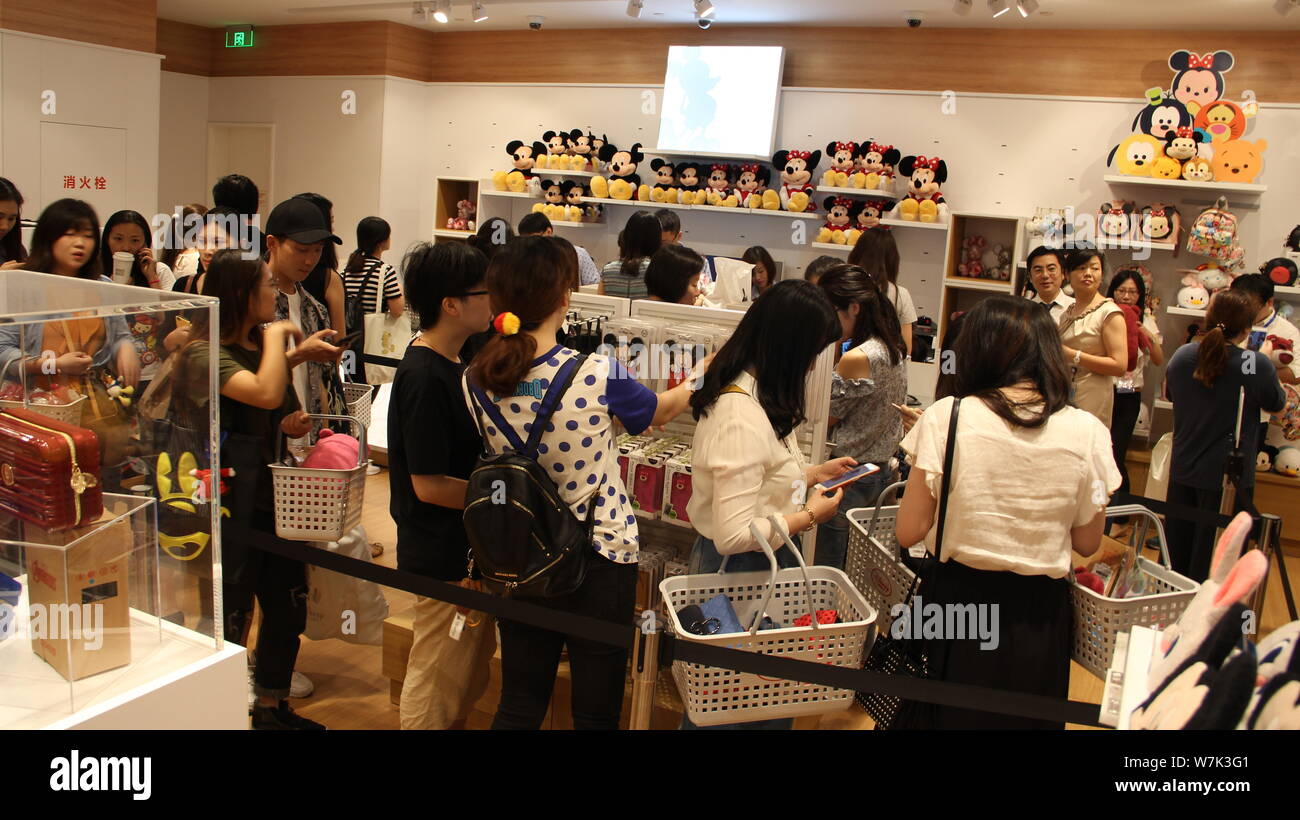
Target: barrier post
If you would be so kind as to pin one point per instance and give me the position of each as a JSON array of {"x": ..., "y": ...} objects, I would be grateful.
[
  {"x": 645, "y": 670},
  {"x": 1270, "y": 543}
]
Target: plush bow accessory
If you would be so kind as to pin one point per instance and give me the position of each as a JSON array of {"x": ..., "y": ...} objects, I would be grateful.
[
  {"x": 846, "y": 146},
  {"x": 799, "y": 155},
  {"x": 878, "y": 148},
  {"x": 928, "y": 162}
]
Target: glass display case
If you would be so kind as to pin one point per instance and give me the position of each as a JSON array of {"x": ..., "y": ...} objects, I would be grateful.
[{"x": 109, "y": 514}]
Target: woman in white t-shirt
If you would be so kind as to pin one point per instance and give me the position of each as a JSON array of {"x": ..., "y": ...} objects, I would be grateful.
[
  {"x": 530, "y": 281},
  {"x": 1029, "y": 482},
  {"x": 876, "y": 252}
]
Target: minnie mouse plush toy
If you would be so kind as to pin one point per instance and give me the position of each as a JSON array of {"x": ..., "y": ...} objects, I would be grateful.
[
  {"x": 923, "y": 202},
  {"x": 842, "y": 156},
  {"x": 751, "y": 188},
  {"x": 837, "y": 224},
  {"x": 796, "y": 169}
]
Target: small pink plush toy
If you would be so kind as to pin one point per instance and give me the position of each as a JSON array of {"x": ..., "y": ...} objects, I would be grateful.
[{"x": 333, "y": 451}]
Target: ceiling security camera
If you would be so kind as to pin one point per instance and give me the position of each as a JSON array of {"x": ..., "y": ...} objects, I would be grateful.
[
  {"x": 914, "y": 18},
  {"x": 703, "y": 22},
  {"x": 535, "y": 22}
]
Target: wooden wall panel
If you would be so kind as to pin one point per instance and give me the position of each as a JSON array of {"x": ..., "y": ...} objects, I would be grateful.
[
  {"x": 410, "y": 52},
  {"x": 119, "y": 23},
  {"x": 323, "y": 49},
  {"x": 187, "y": 48}
]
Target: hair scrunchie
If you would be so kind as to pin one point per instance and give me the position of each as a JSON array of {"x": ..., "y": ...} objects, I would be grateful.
[
  {"x": 1220, "y": 327},
  {"x": 507, "y": 324}
]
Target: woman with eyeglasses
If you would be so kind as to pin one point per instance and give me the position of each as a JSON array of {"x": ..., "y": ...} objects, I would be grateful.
[{"x": 1128, "y": 288}]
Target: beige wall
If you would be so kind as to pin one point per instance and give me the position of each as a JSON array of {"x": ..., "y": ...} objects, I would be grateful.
[
  {"x": 408, "y": 165},
  {"x": 183, "y": 141}
]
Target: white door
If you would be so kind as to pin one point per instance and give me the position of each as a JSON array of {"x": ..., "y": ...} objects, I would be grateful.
[{"x": 243, "y": 148}]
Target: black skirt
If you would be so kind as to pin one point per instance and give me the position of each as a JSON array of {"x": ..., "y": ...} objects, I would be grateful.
[{"x": 1032, "y": 653}]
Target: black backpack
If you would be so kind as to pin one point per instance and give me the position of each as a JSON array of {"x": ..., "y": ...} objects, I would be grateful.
[{"x": 524, "y": 539}]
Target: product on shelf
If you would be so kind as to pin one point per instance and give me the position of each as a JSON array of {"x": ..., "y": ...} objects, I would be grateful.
[
  {"x": 49, "y": 471},
  {"x": 523, "y": 159},
  {"x": 796, "y": 171},
  {"x": 1160, "y": 223},
  {"x": 631, "y": 341},
  {"x": 1239, "y": 160},
  {"x": 875, "y": 164},
  {"x": 1280, "y": 271},
  {"x": 752, "y": 189},
  {"x": 1198, "y": 169},
  {"x": 464, "y": 218},
  {"x": 838, "y": 228},
  {"x": 628, "y": 444},
  {"x": 690, "y": 187},
  {"x": 1193, "y": 295},
  {"x": 1113, "y": 219},
  {"x": 718, "y": 187},
  {"x": 843, "y": 157},
  {"x": 620, "y": 165},
  {"x": 867, "y": 214},
  {"x": 581, "y": 144},
  {"x": 924, "y": 202},
  {"x": 1184, "y": 143},
  {"x": 1214, "y": 234},
  {"x": 665, "y": 187},
  {"x": 647, "y": 468},
  {"x": 677, "y": 489}
]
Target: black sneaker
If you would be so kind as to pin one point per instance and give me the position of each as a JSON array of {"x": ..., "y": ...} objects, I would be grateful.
[{"x": 282, "y": 717}]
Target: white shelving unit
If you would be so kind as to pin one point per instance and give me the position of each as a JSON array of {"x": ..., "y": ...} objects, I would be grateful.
[
  {"x": 1180, "y": 311},
  {"x": 831, "y": 246},
  {"x": 562, "y": 224},
  {"x": 971, "y": 283},
  {"x": 453, "y": 234},
  {"x": 486, "y": 189},
  {"x": 551, "y": 172},
  {"x": 877, "y": 193},
  {"x": 591, "y": 200},
  {"x": 1185, "y": 185},
  {"x": 903, "y": 223},
  {"x": 1163, "y": 404},
  {"x": 1131, "y": 245}
]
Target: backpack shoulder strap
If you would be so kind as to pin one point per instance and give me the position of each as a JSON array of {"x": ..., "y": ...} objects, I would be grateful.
[
  {"x": 563, "y": 378},
  {"x": 731, "y": 388},
  {"x": 484, "y": 405}
]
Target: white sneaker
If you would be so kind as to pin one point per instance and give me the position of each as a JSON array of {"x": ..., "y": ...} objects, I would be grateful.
[{"x": 300, "y": 686}]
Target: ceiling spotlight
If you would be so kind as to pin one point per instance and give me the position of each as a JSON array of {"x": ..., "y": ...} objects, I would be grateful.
[
  {"x": 962, "y": 7},
  {"x": 704, "y": 9},
  {"x": 999, "y": 7},
  {"x": 419, "y": 13},
  {"x": 634, "y": 8},
  {"x": 1026, "y": 7},
  {"x": 442, "y": 11},
  {"x": 479, "y": 11}
]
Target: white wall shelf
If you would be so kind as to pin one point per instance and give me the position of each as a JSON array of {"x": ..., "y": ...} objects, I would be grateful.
[
  {"x": 904, "y": 223},
  {"x": 593, "y": 200},
  {"x": 831, "y": 246},
  {"x": 443, "y": 232},
  {"x": 1182, "y": 184},
  {"x": 1163, "y": 404},
  {"x": 1181, "y": 311},
  {"x": 997, "y": 285},
  {"x": 555, "y": 172},
  {"x": 559, "y": 223},
  {"x": 1285, "y": 290},
  {"x": 1132, "y": 245},
  {"x": 488, "y": 190},
  {"x": 757, "y": 211},
  {"x": 864, "y": 192}
]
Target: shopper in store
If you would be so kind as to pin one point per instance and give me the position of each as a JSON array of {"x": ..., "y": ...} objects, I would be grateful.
[
  {"x": 238, "y": 193},
  {"x": 493, "y": 235},
  {"x": 12, "y": 252},
  {"x": 1128, "y": 288},
  {"x": 1267, "y": 321},
  {"x": 813, "y": 273},
  {"x": 670, "y": 226},
  {"x": 764, "y": 269},
  {"x": 1047, "y": 275},
  {"x": 258, "y": 405},
  {"x": 869, "y": 381},
  {"x": 179, "y": 245},
  {"x": 1205, "y": 380},
  {"x": 324, "y": 282},
  {"x": 433, "y": 444},
  {"x": 1094, "y": 338},
  {"x": 625, "y": 276},
  {"x": 128, "y": 232},
  {"x": 673, "y": 276},
  {"x": 220, "y": 231},
  {"x": 538, "y": 224},
  {"x": 366, "y": 273},
  {"x": 945, "y": 383},
  {"x": 1029, "y": 482},
  {"x": 530, "y": 281},
  {"x": 876, "y": 252}
]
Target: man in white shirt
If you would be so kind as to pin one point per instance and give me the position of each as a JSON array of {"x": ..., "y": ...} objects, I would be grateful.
[
  {"x": 538, "y": 224},
  {"x": 1269, "y": 323},
  {"x": 1047, "y": 274}
]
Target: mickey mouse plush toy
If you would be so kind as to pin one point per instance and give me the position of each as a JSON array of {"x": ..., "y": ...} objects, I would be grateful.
[
  {"x": 751, "y": 188},
  {"x": 688, "y": 185},
  {"x": 923, "y": 202},
  {"x": 523, "y": 157},
  {"x": 838, "y": 209},
  {"x": 876, "y": 162},
  {"x": 842, "y": 156},
  {"x": 796, "y": 169},
  {"x": 665, "y": 188},
  {"x": 578, "y": 143},
  {"x": 621, "y": 166},
  {"x": 557, "y": 151},
  {"x": 719, "y": 185},
  {"x": 573, "y": 192}
]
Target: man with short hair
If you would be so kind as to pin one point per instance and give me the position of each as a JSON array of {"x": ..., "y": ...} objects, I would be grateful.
[
  {"x": 1268, "y": 322},
  {"x": 670, "y": 224},
  {"x": 238, "y": 192},
  {"x": 1047, "y": 275},
  {"x": 538, "y": 224}
]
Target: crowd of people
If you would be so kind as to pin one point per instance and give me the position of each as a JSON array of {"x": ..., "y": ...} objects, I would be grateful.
[{"x": 1039, "y": 422}]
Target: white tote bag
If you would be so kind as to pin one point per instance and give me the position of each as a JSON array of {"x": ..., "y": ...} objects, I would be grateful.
[
  {"x": 343, "y": 607},
  {"x": 386, "y": 336},
  {"x": 1158, "y": 476}
]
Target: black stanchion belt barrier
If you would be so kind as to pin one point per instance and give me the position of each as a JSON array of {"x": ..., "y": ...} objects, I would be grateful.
[
  {"x": 1182, "y": 511},
  {"x": 928, "y": 691}
]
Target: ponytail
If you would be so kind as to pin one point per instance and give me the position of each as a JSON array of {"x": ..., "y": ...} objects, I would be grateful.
[
  {"x": 1231, "y": 313},
  {"x": 372, "y": 231},
  {"x": 356, "y": 261},
  {"x": 529, "y": 280}
]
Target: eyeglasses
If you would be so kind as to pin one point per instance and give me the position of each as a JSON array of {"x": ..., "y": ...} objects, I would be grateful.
[
  {"x": 474, "y": 293},
  {"x": 1126, "y": 291}
]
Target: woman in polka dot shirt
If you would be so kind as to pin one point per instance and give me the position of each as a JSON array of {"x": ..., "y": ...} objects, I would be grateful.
[{"x": 531, "y": 279}]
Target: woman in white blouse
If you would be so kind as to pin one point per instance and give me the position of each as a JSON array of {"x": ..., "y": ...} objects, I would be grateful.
[{"x": 1030, "y": 480}]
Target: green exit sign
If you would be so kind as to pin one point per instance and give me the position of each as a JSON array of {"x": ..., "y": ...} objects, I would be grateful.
[{"x": 239, "y": 37}]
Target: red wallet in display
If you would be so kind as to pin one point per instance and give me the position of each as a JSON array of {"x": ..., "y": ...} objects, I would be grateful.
[
  {"x": 679, "y": 495},
  {"x": 49, "y": 471},
  {"x": 648, "y": 491}
]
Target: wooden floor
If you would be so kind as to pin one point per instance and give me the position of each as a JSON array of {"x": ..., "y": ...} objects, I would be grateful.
[{"x": 352, "y": 693}]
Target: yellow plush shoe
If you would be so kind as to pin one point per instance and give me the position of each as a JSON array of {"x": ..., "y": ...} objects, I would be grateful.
[
  {"x": 851, "y": 236},
  {"x": 908, "y": 209},
  {"x": 577, "y": 162},
  {"x": 828, "y": 179},
  {"x": 499, "y": 180},
  {"x": 754, "y": 201},
  {"x": 841, "y": 179},
  {"x": 599, "y": 188},
  {"x": 540, "y": 207},
  {"x": 621, "y": 189},
  {"x": 731, "y": 201},
  {"x": 516, "y": 182},
  {"x": 713, "y": 198},
  {"x": 872, "y": 181},
  {"x": 839, "y": 238},
  {"x": 929, "y": 211},
  {"x": 858, "y": 180},
  {"x": 771, "y": 200},
  {"x": 824, "y": 235},
  {"x": 701, "y": 197},
  {"x": 798, "y": 202},
  {"x": 643, "y": 193}
]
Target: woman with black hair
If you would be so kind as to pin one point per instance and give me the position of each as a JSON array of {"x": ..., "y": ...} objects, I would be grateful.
[
  {"x": 639, "y": 240},
  {"x": 178, "y": 248},
  {"x": 433, "y": 445},
  {"x": 870, "y": 379},
  {"x": 221, "y": 228},
  {"x": 764, "y": 269},
  {"x": 1205, "y": 379},
  {"x": 324, "y": 281},
  {"x": 1128, "y": 288},
  {"x": 673, "y": 275},
  {"x": 493, "y": 235},
  {"x": 128, "y": 232},
  {"x": 1029, "y": 481},
  {"x": 366, "y": 274},
  {"x": 12, "y": 252},
  {"x": 876, "y": 252},
  {"x": 1093, "y": 336}
]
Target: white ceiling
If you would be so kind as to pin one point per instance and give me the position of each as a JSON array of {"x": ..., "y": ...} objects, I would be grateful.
[{"x": 572, "y": 14}]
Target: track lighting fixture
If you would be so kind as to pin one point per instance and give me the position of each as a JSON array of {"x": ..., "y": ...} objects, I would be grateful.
[
  {"x": 442, "y": 11},
  {"x": 962, "y": 7},
  {"x": 998, "y": 7},
  {"x": 479, "y": 11},
  {"x": 419, "y": 13},
  {"x": 1026, "y": 7},
  {"x": 704, "y": 9},
  {"x": 634, "y": 8}
]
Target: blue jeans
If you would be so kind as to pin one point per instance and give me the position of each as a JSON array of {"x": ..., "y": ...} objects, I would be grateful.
[
  {"x": 833, "y": 536},
  {"x": 705, "y": 558}
]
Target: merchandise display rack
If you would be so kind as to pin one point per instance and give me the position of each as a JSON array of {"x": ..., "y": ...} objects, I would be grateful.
[
  {"x": 869, "y": 193},
  {"x": 1185, "y": 185},
  {"x": 960, "y": 293}
]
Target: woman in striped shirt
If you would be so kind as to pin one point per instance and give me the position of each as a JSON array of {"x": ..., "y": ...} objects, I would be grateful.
[
  {"x": 366, "y": 272},
  {"x": 625, "y": 277}
]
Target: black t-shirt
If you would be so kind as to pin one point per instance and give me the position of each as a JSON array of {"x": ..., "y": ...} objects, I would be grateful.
[{"x": 430, "y": 432}]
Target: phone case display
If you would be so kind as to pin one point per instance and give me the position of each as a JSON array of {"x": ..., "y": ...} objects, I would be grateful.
[
  {"x": 107, "y": 519},
  {"x": 677, "y": 489},
  {"x": 647, "y": 467},
  {"x": 632, "y": 342},
  {"x": 628, "y": 444}
]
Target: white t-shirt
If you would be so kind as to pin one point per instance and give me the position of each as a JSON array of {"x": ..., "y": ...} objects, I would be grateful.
[
  {"x": 1015, "y": 492},
  {"x": 1280, "y": 326},
  {"x": 902, "y": 304}
]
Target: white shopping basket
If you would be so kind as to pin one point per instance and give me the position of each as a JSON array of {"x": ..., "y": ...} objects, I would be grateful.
[
  {"x": 320, "y": 505},
  {"x": 357, "y": 398},
  {"x": 873, "y": 560},
  {"x": 714, "y": 695}
]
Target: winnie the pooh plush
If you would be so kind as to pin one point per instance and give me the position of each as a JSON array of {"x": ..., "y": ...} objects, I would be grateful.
[{"x": 1238, "y": 160}]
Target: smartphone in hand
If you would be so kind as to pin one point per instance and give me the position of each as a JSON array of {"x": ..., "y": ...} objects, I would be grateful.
[{"x": 860, "y": 471}]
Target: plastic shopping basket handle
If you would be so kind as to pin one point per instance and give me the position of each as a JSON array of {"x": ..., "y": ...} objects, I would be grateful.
[
  {"x": 363, "y": 452},
  {"x": 771, "y": 584},
  {"x": 1122, "y": 510},
  {"x": 892, "y": 492}
]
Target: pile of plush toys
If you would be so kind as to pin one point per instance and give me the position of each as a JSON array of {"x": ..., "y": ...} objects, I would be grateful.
[
  {"x": 464, "y": 218},
  {"x": 1190, "y": 131},
  {"x": 1200, "y": 283},
  {"x": 1206, "y": 674},
  {"x": 979, "y": 260},
  {"x": 616, "y": 174}
]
